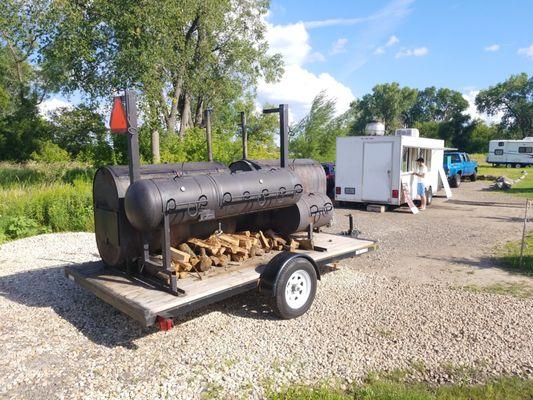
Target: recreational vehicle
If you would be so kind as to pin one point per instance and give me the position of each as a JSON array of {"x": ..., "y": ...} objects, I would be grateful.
[
  {"x": 377, "y": 169},
  {"x": 511, "y": 153}
]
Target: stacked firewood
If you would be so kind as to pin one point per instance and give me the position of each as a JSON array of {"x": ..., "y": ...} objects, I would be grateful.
[{"x": 225, "y": 249}]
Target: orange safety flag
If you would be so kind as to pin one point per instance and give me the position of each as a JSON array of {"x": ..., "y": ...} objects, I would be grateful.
[{"x": 118, "y": 122}]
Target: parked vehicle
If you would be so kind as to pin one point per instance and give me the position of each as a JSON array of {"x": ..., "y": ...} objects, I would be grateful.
[
  {"x": 329, "y": 169},
  {"x": 511, "y": 153},
  {"x": 457, "y": 166},
  {"x": 373, "y": 169}
]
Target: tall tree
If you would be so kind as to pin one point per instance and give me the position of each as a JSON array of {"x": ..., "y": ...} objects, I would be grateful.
[
  {"x": 388, "y": 102},
  {"x": 315, "y": 135},
  {"x": 181, "y": 54},
  {"x": 514, "y": 99}
]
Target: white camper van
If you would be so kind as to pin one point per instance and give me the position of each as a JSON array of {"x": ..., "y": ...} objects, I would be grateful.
[
  {"x": 512, "y": 153},
  {"x": 371, "y": 169}
]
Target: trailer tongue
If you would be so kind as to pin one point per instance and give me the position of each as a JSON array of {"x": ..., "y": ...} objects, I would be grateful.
[{"x": 208, "y": 211}]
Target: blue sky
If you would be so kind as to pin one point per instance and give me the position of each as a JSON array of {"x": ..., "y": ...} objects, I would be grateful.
[
  {"x": 347, "y": 47},
  {"x": 354, "y": 45}
]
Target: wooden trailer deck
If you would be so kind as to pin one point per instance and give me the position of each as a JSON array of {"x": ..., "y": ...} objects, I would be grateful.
[{"x": 145, "y": 303}]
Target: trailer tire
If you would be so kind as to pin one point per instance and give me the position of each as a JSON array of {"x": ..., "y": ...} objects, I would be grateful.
[
  {"x": 429, "y": 196},
  {"x": 295, "y": 289},
  {"x": 455, "y": 181},
  {"x": 518, "y": 165}
]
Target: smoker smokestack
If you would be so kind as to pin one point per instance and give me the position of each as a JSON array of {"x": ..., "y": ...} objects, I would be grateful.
[{"x": 283, "y": 111}]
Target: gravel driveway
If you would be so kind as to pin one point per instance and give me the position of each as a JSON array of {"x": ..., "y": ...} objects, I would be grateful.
[{"x": 395, "y": 308}]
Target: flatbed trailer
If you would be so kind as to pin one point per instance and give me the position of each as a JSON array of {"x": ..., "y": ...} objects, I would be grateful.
[{"x": 150, "y": 305}]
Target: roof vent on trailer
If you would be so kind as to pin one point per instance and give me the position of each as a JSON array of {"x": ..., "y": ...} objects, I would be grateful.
[
  {"x": 407, "y": 132},
  {"x": 528, "y": 139},
  {"x": 375, "y": 128}
]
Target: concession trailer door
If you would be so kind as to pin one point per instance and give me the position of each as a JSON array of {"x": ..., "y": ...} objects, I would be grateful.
[{"x": 377, "y": 171}]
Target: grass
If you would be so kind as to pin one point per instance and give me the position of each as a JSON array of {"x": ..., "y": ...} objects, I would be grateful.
[
  {"x": 522, "y": 290},
  {"x": 508, "y": 256},
  {"x": 508, "y": 388},
  {"x": 522, "y": 189},
  {"x": 43, "y": 198}
]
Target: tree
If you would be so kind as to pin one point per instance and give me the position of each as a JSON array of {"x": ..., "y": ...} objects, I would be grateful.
[
  {"x": 83, "y": 134},
  {"x": 181, "y": 54},
  {"x": 315, "y": 135},
  {"x": 389, "y": 102},
  {"x": 514, "y": 99},
  {"x": 439, "y": 105}
]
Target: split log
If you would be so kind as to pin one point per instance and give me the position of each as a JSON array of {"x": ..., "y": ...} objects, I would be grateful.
[
  {"x": 178, "y": 255},
  {"x": 183, "y": 275},
  {"x": 264, "y": 241},
  {"x": 229, "y": 239},
  {"x": 183, "y": 266},
  {"x": 274, "y": 236},
  {"x": 201, "y": 244},
  {"x": 204, "y": 264},
  {"x": 187, "y": 249}
]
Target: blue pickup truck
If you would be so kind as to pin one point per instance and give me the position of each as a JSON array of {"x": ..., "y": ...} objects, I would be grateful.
[{"x": 458, "y": 165}]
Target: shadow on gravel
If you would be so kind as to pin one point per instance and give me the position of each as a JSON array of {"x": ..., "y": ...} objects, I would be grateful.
[
  {"x": 99, "y": 321},
  {"x": 482, "y": 263},
  {"x": 485, "y": 203}
]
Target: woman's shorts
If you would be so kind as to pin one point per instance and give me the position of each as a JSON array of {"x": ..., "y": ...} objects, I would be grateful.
[{"x": 420, "y": 189}]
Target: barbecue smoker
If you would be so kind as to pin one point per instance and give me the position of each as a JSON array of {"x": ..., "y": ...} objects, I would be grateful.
[{"x": 142, "y": 211}]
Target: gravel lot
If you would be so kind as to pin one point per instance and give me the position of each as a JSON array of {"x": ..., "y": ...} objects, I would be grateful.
[{"x": 396, "y": 308}]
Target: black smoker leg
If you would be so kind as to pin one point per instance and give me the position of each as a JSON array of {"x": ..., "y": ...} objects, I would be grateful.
[{"x": 165, "y": 249}]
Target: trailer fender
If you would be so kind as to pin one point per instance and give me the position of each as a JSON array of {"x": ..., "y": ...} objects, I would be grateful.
[{"x": 269, "y": 277}]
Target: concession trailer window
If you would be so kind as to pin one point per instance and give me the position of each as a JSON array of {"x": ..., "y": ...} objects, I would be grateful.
[
  {"x": 411, "y": 154},
  {"x": 525, "y": 149}
]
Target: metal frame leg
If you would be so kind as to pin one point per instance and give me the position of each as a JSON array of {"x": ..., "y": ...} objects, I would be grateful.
[{"x": 165, "y": 249}]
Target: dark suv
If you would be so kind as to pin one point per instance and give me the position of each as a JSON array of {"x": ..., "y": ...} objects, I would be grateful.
[{"x": 329, "y": 169}]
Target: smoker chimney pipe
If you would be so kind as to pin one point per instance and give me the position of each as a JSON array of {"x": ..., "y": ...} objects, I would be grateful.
[
  {"x": 130, "y": 100},
  {"x": 283, "y": 111},
  {"x": 244, "y": 136},
  {"x": 208, "y": 133}
]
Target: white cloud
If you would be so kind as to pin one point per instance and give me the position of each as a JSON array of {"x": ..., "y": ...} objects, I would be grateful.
[
  {"x": 526, "y": 51},
  {"x": 493, "y": 47},
  {"x": 416, "y": 52},
  {"x": 299, "y": 86},
  {"x": 470, "y": 96},
  {"x": 391, "y": 42},
  {"x": 316, "y": 56},
  {"x": 291, "y": 41},
  {"x": 396, "y": 8},
  {"x": 339, "y": 46},
  {"x": 47, "y": 107}
]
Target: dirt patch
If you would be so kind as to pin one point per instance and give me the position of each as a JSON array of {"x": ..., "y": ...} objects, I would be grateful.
[{"x": 451, "y": 243}]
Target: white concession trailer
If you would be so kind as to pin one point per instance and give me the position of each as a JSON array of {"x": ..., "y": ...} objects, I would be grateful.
[{"x": 372, "y": 169}]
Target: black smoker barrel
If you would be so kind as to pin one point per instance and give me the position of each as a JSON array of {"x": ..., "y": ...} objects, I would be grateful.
[
  {"x": 310, "y": 172},
  {"x": 118, "y": 242},
  {"x": 207, "y": 197}
]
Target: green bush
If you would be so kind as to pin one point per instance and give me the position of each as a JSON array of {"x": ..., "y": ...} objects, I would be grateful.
[
  {"x": 57, "y": 207},
  {"x": 50, "y": 152}
]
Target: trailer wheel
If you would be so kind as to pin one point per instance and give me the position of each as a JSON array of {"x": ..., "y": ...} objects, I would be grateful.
[
  {"x": 429, "y": 196},
  {"x": 296, "y": 288},
  {"x": 518, "y": 165}
]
